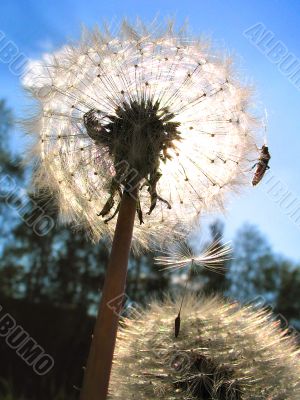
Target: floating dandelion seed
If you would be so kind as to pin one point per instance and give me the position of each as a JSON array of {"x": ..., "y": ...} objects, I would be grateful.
[
  {"x": 181, "y": 256},
  {"x": 225, "y": 351},
  {"x": 162, "y": 112}
]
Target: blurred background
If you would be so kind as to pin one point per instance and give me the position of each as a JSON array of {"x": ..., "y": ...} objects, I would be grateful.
[{"x": 51, "y": 284}]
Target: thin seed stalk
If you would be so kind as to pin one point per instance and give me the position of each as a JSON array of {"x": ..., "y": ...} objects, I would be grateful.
[{"x": 97, "y": 373}]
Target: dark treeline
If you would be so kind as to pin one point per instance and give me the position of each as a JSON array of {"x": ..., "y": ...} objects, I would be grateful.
[{"x": 50, "y": 284}]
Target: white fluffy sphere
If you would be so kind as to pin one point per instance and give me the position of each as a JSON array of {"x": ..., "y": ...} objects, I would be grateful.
[
  {"x": 190, "y": 140},
  {"x": 224, "y": 352}
]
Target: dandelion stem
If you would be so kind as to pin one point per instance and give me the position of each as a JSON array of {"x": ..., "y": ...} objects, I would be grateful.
[{"x": 96, "y": 379}]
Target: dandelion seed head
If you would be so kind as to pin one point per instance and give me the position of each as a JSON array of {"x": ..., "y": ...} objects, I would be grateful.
[
  {"x": 158, "y": 110},
  {"x": 223, "y": 351}
]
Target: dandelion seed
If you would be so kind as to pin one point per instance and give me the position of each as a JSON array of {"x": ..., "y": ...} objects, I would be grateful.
[
  {"x": 225, "y": 351},
  {"x": 181, "y": 256}
]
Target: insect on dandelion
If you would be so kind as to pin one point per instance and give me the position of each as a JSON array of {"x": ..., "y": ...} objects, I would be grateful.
[
  {"x": 224, "y": 351},
  {"x": 137, "y": 122}
]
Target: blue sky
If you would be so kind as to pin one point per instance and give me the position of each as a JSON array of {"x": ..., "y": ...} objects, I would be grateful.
[{"x": 39, "y": 26}]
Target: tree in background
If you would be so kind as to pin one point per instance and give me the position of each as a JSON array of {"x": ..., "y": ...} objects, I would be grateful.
[
  {"x": 10, "y": 175},
  {"x": 9, "y": 164},
  {"x": 253, "y": 270},
  {"x": 288, "y": 299},
  {"x": 214, "y": 282},
  {"x": 257, "y": 273}
]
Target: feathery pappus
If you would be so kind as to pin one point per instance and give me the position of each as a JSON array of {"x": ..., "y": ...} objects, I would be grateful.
[
  {"x": 160, "y": 111},
  {"x": 224, "y": 351},
  {"x": 182, "y": 256}
]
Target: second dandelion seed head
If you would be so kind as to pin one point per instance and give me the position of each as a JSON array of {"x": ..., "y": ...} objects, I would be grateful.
[{"x": 224, "y": 351}]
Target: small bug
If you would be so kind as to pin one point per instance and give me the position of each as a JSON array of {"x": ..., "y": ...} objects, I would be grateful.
[{"x": 262, "y": 165}]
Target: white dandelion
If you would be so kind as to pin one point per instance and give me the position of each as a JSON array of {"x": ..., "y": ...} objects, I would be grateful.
[
  {"x": 224, "y": 351},
  {"x": 165, "y": 113},
  {"x": 152, "y": 124}
]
